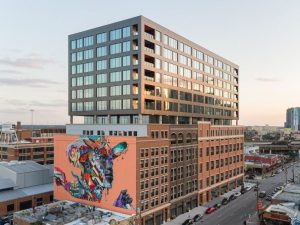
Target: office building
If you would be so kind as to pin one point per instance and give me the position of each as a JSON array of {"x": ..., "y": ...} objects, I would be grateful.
[
  {"x": 175, "y": 104},
  {"x": 293, "y": 119}
]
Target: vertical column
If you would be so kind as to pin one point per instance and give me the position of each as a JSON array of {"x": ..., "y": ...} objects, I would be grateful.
[
  {"x": 190, "y": 120},
  {"x": 160, "y": 119},
  {"x": 140, "y": 119},
  {"x": 71, "y": 119},
  {"x": 95, "y": 119},
  {"x": 176, "y": 122}
]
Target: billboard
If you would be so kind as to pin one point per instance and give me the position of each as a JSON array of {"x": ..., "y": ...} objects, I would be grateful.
[{"x": 98, "y": 171}]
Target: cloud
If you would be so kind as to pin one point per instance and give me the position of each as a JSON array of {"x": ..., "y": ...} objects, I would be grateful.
[
  {"x": 10, "y": 72},
  {"x": 33, "y": 61},
  {"x": 26, "y": 105},
  {"x": 38, "y": 83},
  {"x": 262, "y": 79}
]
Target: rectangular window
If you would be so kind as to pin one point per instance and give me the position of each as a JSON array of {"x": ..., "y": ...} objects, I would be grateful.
[
  {"x": 116, "y": 76},
  {"x": 101, "y": 38},
  {"x": 79, "y": 68},
  {"x": 73, "y": 58},
  {"x": 88, "y": 41},
  {"x": 102, "y": 51},
  {"x": 115, "y": 62},
  {"x": 79, "y": 81},
  {"x": 88, "y": 54},
  {"x": 73, "y": 94},
  {"x": 126, "y": 89},
  {"x": 73, "y": 69},
  {"x": 73, "y": 44},
  {"x": 115, "y": 34},
  {"x": 79, "y": 43},
  {"x": 115, "y": 90},
  {"x": 126, "y": 75},
  {"x": 88, "y": 67},
  {"x": 102, "y": 78},
  {"x": 73, "y": 106},
  {"x": 102, "y": 92},
  {"x": 126, "y": 46},
  {"x": 88, "y": 80},
  {"x": 126, "y": 32},
  {"x": 116, "y": 104},
  {"x": 88, "y": 106},
  {"x": 79, "y": 56},
  {"x": 126, "y": 60},
  {"x": 89, "y": 93},
  {"x": 74, "y": 82},
  {"x": 116, "y": 48},
  {"x": 126, "y": 103},
  {"x": 79, "y": 106},
  {"x": 101, "y": 105},
  {"x": 102, "y": 65}
]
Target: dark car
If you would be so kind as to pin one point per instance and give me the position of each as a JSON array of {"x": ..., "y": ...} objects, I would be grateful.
[
  {"x": 188, "y": 222},
  {"x": 255, "y": 188},
  {"x": 262, "y": 194},
  {"x": 210, "y": 210},
  {"x": 232, "y": 197},
  {"x": 225, "y": 201},
  {"x": 269, "y": 198},
  {"x": 197, "y": 217}
]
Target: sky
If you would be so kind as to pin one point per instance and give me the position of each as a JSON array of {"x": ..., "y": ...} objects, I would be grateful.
[{"x": 262, "y": 37}]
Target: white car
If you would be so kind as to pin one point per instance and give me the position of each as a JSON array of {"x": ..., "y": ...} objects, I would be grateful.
[
  {"x": 248, "y": 188},
  {"x": 237, "y": 194}
]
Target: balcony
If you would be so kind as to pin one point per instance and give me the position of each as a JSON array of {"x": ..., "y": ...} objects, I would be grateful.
[
  {"x": 149, "y": 104},
  {"x": 149, "y": 32},
  {"x": 151, "y": 65},
  {"x": 149, "y": 35},
  {"x": 149, "y": 78},
  {"x": 149, "y": 50}
]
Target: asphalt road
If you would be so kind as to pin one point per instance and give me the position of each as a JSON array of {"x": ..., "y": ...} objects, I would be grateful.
[{"x": 239, "y": 210}]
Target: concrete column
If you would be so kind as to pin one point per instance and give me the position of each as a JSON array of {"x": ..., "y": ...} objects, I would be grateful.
[
  {"x": 71, "y": 119},
  {"x": 140, "y": 119},
  {"x": 176, "y": 120},
  {"x": 190, "y": 120},
  {"x": 160, "y": 119}
]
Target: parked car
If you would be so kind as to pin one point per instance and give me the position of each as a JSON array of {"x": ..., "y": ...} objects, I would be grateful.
[
  {"x": 269, "y": 198},
  {"x": 225, "y": 201},
  {"x": 237, "y": 194},
  {"x": 188, "y": 222},
  {"x": 197, "y": 217},
  {"x": 232, "y": 197},
  {"x": 217, "y": 206},
  {"x": 248, "y": 188},
  {"x": 210, "y": 210},
  {"x": 251, "y": 177},
  {"x": 262, "y": 194},
  {"x": 273, "y": 175},
  {"x": 255, "y": 188}
]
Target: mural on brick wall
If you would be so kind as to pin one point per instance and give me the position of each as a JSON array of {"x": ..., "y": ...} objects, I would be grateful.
[
  {"x": 124, "y": 200},
  {"x": 94, "y": 157}
]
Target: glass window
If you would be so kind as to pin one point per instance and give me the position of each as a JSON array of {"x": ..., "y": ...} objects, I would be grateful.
[
  {"x": 88, "y": 54},
  {"x": 101, "y": 38},
  {"x": 74, "y": 94},
  {"x": 126, "y": 103},
  {"x": 89, "y": 93},
  {"x": 73, "y": 69},
  {"x": 88, "y": 106},
  {"x": 102, "y": 78},
  {"x": 79, "y": 68},
  {"x": 126, "y": 89},
  {"x": 157, "y": 35},
  {"x": 74, "y": 82},
  {"x": 79, "y": 106},
  {"x": 79, "y": 81},
  {"x": 126, "y": 60},
  {"x": 79, "y": 56},
  {"x": 79, "y": 43},
  {"x": 126, "y": 32},
  {"x": 79, "y": 93},
  {"x": 102, "y": 92},
  {"x": 116, "y": 104},
  {"x": 126, "y": 46},
  {"x": 116, "y": 76},
  {"x": 116, "y": 48},
  {"x": 126, "y": 75},
  {"x": 73, "y": 44},
  {"x": 88, "y": 67},
  {"x": 115, "y": 90},
  {"x": 102, "y": 51},
  {"x": 88, "y": 80},
  {"x": 115, "y": 62},
  {"x": 102, "y": 65},
  {"x": 88, "y": 41},
  {"x": 74, "y": 107},
  {"x": 115, "y": 34},
  {"x": 73, "y": 58},
  {"x": 101, "y": 105}
]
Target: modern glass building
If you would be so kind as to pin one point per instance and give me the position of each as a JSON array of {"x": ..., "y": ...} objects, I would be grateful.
[
  {"x": 138, "y": 72},
  {"x": 293, "y": 118}
]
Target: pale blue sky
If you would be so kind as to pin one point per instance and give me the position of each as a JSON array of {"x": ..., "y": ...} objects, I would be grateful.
[{"x": 262, "y": 37}]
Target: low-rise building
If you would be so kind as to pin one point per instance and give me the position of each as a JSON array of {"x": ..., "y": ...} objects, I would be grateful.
[{"x": 24, "y": 185}]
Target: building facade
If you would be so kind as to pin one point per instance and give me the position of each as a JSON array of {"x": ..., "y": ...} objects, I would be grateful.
[
  {"x": 293, "y": 119},
  {"x": 178, "y": 100},
  {"x": 136, "y": 72}
]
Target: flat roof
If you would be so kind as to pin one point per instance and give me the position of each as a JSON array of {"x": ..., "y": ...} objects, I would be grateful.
[
  {"x": 24, "y": 192},
  {"x": 23, "y": 166},
  {"x": 6, "y": 183}
]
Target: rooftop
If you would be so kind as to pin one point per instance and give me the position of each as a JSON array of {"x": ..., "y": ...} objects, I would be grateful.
[
  {"x": 67, "y": 212},
  {"x": 291, "y": 193},
  {"x": 22, "y": 166}
]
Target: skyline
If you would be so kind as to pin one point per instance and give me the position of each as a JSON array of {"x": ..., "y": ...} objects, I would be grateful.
[{"x": 37, "y": 70}]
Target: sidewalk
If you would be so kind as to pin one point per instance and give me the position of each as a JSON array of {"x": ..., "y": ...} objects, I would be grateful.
[{"x": 253, "y": 220}]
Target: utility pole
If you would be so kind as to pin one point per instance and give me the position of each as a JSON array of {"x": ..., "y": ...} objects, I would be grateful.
[{"x": 286, "y": 173}]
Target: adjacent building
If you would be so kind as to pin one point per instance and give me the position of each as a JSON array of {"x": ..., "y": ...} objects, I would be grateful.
[
  {"x": 174, "y": 103},
  {"x": 293, "y": 119},
  {"x": 24, "y": 185}
]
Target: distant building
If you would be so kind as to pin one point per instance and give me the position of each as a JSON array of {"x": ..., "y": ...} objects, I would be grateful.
[
  {"x": 24, "y": 185},
  {"x": 293, "y": 118},
  {"x": 19, "y": 143}
]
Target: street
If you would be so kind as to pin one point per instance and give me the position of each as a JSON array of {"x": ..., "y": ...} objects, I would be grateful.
[{"x": 239, "y": 210}]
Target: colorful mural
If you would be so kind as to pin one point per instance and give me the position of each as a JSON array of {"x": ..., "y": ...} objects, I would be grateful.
[
  {"x": 94, "y": 158},
  {"x": 124, "y": 200}
]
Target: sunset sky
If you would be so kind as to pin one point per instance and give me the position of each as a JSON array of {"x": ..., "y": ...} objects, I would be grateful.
[{"x": 262, "y": 37}]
